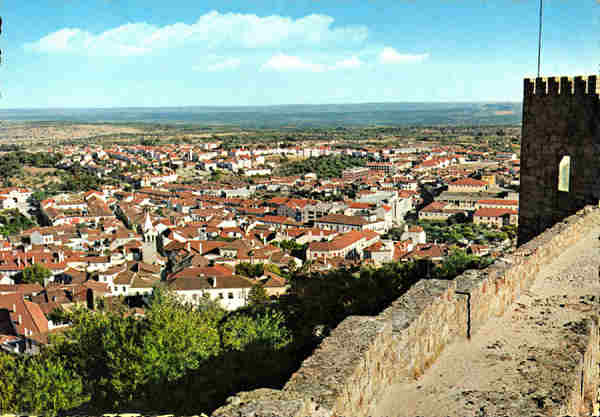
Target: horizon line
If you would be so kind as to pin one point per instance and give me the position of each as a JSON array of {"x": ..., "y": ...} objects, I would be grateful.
[{"x": 264, "y": 105}]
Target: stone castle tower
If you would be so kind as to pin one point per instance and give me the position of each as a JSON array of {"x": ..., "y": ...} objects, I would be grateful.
[{"x": 560, "y": 151}]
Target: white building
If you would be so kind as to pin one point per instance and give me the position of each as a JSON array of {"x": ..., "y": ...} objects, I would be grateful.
[{"x": 231, "y": 292}]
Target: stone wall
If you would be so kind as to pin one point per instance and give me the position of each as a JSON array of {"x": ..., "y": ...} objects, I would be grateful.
[
  {"x": 585, "y": 381},
  {"x": 561, "y": 117},
  {"x": 352, "y": 367}
]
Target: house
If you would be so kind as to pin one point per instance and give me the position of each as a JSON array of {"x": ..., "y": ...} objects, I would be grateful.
[
  {"x": 499, "y": 204},
  {"x": 479, "y": 250},
  {"x": 467, "y": 185},
  {"x": 7, "y": 203},
  {"x": 341, "y": 223},
  {"x": 192, "y": 285},
  {"x": 42, "y": 236},
  {"x": 496, "y": 217},
  {"x": 414, "y": 233},
  {"x": 24, "y": 289},
  {"x": 108, "y": 276},
  {"x": 17, "y": 195},
  {"x": 438, "y": 210},
  {"x": 20, "y": 322},
  {"x": 349, "y": 245},
  {"x": 278, "y": 222},
  {"x": 380, "y": 252},
  {"x": 430, "y": 251},
  {"x": 274, "y": 284},
  {"x": 122, "y": 283}
]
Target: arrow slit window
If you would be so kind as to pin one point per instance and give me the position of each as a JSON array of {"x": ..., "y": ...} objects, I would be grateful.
[{"x": 564, "y": 174}]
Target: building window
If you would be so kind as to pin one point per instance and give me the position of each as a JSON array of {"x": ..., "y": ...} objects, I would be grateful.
[
  {"x": 221, "y": 295},
  {"x": 564, "y": 174},
  {"x": 230, "y": 296}
]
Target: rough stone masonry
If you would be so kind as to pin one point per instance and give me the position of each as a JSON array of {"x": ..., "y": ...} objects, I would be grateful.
[
  {"x": 545, "y": 362},
  {"x": 561, "y": 123}
]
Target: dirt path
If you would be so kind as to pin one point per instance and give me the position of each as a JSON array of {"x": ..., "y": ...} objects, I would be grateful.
[{"x": 517, "y": 364}]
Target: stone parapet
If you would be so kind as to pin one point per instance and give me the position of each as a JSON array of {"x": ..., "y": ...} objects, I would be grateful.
[
  {"x": 561, "y": 86},
  {"x": 352, "y": 367}
]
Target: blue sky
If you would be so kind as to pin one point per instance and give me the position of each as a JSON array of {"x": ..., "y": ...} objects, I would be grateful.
[{"x": 112, "y": 53}]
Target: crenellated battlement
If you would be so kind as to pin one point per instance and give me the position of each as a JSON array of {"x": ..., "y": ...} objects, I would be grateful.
[
  {"x": 561, "y": 117},
  {"x": 562, "y": 86}
]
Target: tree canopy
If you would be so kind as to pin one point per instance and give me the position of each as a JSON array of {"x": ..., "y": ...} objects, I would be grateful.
[
  {"x": 323, "y": 166},
  {"x": 38, "y": 385},
  {"x": 13, "y": 222},
  {"x": 36, "y": 273},
  {"x": 11, "y": 164},
  {"x": 257, "y": 295}
]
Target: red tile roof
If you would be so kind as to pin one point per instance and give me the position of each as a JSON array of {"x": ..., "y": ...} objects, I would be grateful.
[
  {"x": 469, "y": 182},
  {"x": 342, "y": 219},
  {"x": 493, "y": 212},
  {"x": 29, "y": 314},
  {"x": 499, "y": 202}
]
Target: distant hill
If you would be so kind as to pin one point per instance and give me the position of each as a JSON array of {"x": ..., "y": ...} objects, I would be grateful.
[{"x": 331, "y": 115}]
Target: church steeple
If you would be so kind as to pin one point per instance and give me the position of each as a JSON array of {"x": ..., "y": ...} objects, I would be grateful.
[{"x": 148, "y": 222}]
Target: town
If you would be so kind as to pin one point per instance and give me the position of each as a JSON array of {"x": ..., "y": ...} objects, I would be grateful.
[{"x": 103, "y": 223}]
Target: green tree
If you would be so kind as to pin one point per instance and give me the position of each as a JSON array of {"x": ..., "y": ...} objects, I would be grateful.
[
  {"x": 178, "y": 337},
  {"x": 457, "y": 263},
  {"x": 510, "y": 230},
  {"x": 250, "y": 270},
  {"x": 8, "y": 386},
  {"x": 257, "y": 295},
  {"x": 291, "y": 266},
  {"x": 273, "y": 268},
  {"x": 35, "y": 273},
  {"x": 131, "y": 361},
  {"x": 13, "y": 222},
  {"x": 58, "y": 316},
  {"x": 46, "y": 386},
  {"x": 267, "y": 329}
]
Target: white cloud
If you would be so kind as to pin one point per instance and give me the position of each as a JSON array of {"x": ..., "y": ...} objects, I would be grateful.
[
  {"x": 283, "y": 62},
  {"x": 211, "y": 31},
  {"x": 391, "y": 56},
  {"x": 227, "y": 64},
  {"x": 291, "y": 63},
  {"x": 61, "y": 41},
  {"x": 350, "y": 63},
  {"x": 125, "y": 40}
]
